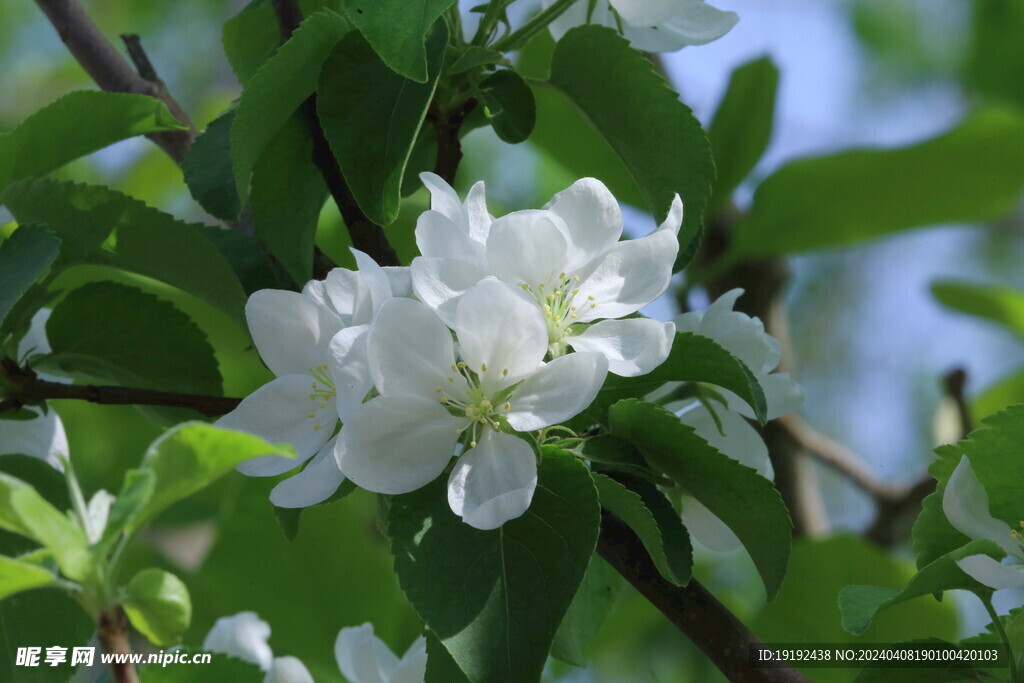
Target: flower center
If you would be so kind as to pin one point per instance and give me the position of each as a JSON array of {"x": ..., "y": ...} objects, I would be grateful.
[
  {"x": 322, "y": 391},
  {"x": 478, "y": 409},
  {"x": 560, "y": 308}
]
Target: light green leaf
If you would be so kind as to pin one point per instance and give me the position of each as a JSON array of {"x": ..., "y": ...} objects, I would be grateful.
[
  {"x": 371, "y": 116},
  {"x": 742, "y": 125},
  {"x": 158, "y": 605},
  {"x": 75, "y": 125},
  {"x": 24, "y": 257},
  {"x": 586, "y": 614},
  {"x": 56, "y": 533},
  {"x": 136, "y": 492},
  {"x": 397, "y": 30},
  {"x": 16, "y": 576},
  {"x": 761, "y": 522},
  {"x": 9, "y": 518},
  {"x": 102, "y": 227},
  {"x": 192, "y": 456},
  {"x": 510, "y": 105},
  {"x": 495, "y": 598},
  {"x": 280, "y": 86},
  {"x": 860, "y": 604},
  {"x": 1003, "y": 305},
  {"x": 995, "y": 397},
  {"x": 207, "y": 169},
  {"x": 971, "y": 173},
  {"x": 632, "y": 107}
]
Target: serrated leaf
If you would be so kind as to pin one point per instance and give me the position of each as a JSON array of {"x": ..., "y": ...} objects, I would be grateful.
[
  {"x": 1003, "y": 305},
  {"x": 278, "y": 88},
  {"x": 397, "y": 30},
  {"x": 510, "y": 105},
  {"x": 860, "y": 604},
  {"x": 631, "y": 106},
  {"x": 647, "y": 512},
  {"x": 158, "y": 605},
  {"x": 250, "y": 38},
  {"x": 586, "y": 614},
  {"x": 24, "y": 257},
  {"x": 744, "y": 500},
  {"x": 971, "y": 173},
  {"x": 371, "y": 116},
  {"x": 102, "y": 227},
  {"x": 495, "y": 598},
  {"x": 17, "y": 576},
  {"x": 207, "y": 169},
  {"x": 192, "y": 456},
  {"x": 933, "y": 536},
  {"x": 77, "y": 124},
  {"x": 742, "y": 125}
]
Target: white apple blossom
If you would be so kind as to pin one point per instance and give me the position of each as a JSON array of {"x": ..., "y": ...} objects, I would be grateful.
[
  {"x": 566, "y": 257},
  {"x": 244, "y": 636},
  {"x": 965, "y": 505},
  {"x": 650, "y": 25},
  {"x": 434, "y": 394},
  {"x": 364, "y": 658},
  {"x": 315, "y": 343}
]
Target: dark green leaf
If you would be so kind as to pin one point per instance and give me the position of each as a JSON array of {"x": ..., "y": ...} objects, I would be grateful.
[
  {"x": 35, "y": 617},
  {"x": 472, "y": 57},
  {"x": 995, "y": 63},
  {"x": 510, "y": 105},
  {"x": 495, "y": 598},
  {"x": 1003, "y": 305},
  {"x": 221, "y": 668},
  {"x": 742, "y": 126},
  {"x": 246, "y": 256},
  {"x": 371, "y": 116},
  {"x": 441, "y": 668},
  {"x": 102, "y": 227},
  {"x": 24, "y": 257},
  {"x": 16, "y": 576},
  {"x": 250, "y": 38},
  {"x": 633, "y": 108},
  {"x": 75, "y": 125},
  {"x": 207, "y": 169},
  {"x": 972, "y": 173},
  {"x": 158, "y": 605},
  {"x": 609, "y": 452},
  {"x": 397, "y": 30},
  {"x": 761, "y": 523},
  {"x": 587, "y": 613}
]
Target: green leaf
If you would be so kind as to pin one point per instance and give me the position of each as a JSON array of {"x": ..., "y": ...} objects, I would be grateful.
[
  {"x": 220, "y": 668},
  {"x": 994, "y": 449},
  {"x": 287, "y": 195},
  {"x": 192, "y": 456},
  {"x": 1003, "y": 305},
  {"x": 971, "y": 173},
  {"x": 647, "y": 512},
  {"x": 278, "y": 88},
  {"x": 16, "y": 576},
  {"x": 250, "y": 38},
  {"x": 75, "y": 125},
  {"x": 495, "y": 598},
  {"x": 995, "y": 64},
  {"x": 397, "y": 30},
  {"x": 441, "y": 668},
  {"x": 136, "y": 492},
  {"x": 36, "y": 617},
  {"x": 742, "y": 125},
  {"x": 933, "y": 535},
  {"x": 586, "y": 614},
  {"x": 371, "y": 116},
  {"x": 859, "y": 604},
  {"x": 761, "y": 522},
  {"x": 288, "y": 518},
  {"x": 207, "y": 169},
  {"x": 158, "y": 605},
  {"x": 995, "y": 397},
  {"x": 56, "y": 533},
  {"x": 10, "y": 520},
  {"x": 510, "y": 105},
  {"x": 472, "y": 57},
  {"x": 632, "y": 107},
  {"x": 609, "y": 452},
  {"x": 102, "y": 227},
  {"x": 48, "y": 483},
  {"x": 247, "y": 258},
  {"x": 24, "y": 257}
]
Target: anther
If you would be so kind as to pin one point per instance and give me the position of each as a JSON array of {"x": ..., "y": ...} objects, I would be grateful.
[
  {"x": 472, "y": 444},
  {"x": 454, "y": 368},
  {"x": 508, "y": 406},
  {"x": 526, "y": 287},
  {"x": 316, "y": 427},
  {"x": 590, "y": 297},
  {"x": 439, "y": 390},
  {"x": 504, "y": 373},
  {"x": 452, "y": 380},
  {"x": 310, "y": 415},
  {"x": 483, "y": 366},
  {"x": 461, "y": 363}
]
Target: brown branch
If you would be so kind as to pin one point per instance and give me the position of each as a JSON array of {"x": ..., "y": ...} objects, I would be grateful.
[
  {"x": 449, "y": 147},
  {"x": 113, "y": 637},
  {"x": 691, "y": 609},
  {"x": 111, "y": 71}
]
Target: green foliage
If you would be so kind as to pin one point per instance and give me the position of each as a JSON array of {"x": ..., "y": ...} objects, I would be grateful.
[
  {"x": 971, "y": 173},
  {"x": 397, "y": 30},
  {"x": 371, "y": 116},
  {"x": 100, "y": 226},
  {"x": 441, "y": 668},
  {"x": 612, "y": 453},
  {"x": 17, "y": 576},
  {"x": 75, "y": 125},
  {"x": 995, "y": 453},
  {"x": 632, "y": 107},
  {"x": 933, "y": 535},
  {"x": 250, "y": 38},
  {"x": 1003, "y": 393},
  {"x": 136, "y": 491},
  {"x": 742, "y": 126},
  {"x": 207, "y": 169},
  {"x": 24, "y": 257},
  {"x": 33, "y": 618},
  {"x": 158, "y": 605},
  {"x": 42, "y": 522},
  {"x": 995, "y": 63},
  {"x": 1003, "y": 305},
  {"x": 220, "y": 668},
  {"x": 761, "y": 522},
  {"x": 510, "y": 105},
  {"x": 495, "y": 598},
  {"x": 586, "y": 614}
]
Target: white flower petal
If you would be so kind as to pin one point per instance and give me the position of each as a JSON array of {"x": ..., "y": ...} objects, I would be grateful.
[
  {"x": 439, "y": 282},
  {"x": 413, "y": 666},
  {"x": 629, "y": 276},
  {"x": 358, "y": 653},
  {"x": 645, "y": 12},
  {"x": 396, "y": 444},
  {"x": 314, "y": 484},
  {"x": 674, "y": 220},
  {"x": 528, "y": 246},
  {"x": 243, "y": 635},
  {"x": 740, "y": 440},
  {"x": 291, "y": 331},
  {"x": 35, "y": 340},
  {"x": 317, "y": 291},
  {"x": 633, "y": 347},
  {"x": 782, "y": 394},
  {"x": 559, "y": 390},
  {"x": 279, "y": 412},
  {"x": 400, "y": 280},
  {"x": 445, "y": 200},
  {"x": 410, "y": 350},
  {"x": 476, "y": 212},
  {"x": 696, "y": 23},
  {"x": 493, "y": 482},
  {"x": 706, "y": 528},
  {"x": 993, "y": 574},
  {"x": 577, "y": 15},
  {"x": 288, "y": 670},
  {"x": 41, "y": 437},
  {"x": 739, "y": 334},
  {"x": 438, "y": 237},
  {"x": 965, "y": 504},
  {"x": 376, "y": 281},
  {"x": 592, "y": 217},
  {"x": 350, "y": 369},
  {"x": 98, "y": 511},
  {"x": 500, "y": 327},
  {"x": 349, "y": 295}
]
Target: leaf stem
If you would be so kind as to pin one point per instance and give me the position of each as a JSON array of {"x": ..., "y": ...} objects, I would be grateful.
[
  {"x": 538, "y": 23},
  {"x": 986, "y": 600}
]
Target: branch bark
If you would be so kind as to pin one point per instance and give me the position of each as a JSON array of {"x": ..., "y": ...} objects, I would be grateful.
[
  {"x": 113, "y": 637},
  {"x": 449, "y": 146}
]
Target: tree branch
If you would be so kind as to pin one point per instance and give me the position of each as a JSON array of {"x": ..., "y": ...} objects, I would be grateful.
[
  {"x": 113, "y": 637},
  {"x": 111, "y": 71},
  {"x": 449, "y": 146},
  {"x": 691, "y": 609}
]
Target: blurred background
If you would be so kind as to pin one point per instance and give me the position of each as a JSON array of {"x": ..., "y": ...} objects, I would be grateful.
[{"x": 869, "y": 342}]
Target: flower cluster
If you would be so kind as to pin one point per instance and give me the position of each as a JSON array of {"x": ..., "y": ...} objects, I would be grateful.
[{"x": 502, "y": 327}]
